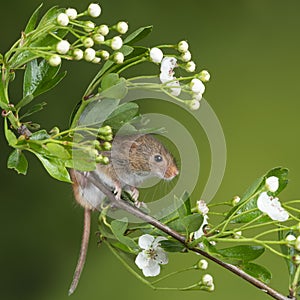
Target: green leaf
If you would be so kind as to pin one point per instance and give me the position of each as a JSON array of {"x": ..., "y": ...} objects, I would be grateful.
[
  {"x": 18, "y": 162},
  {"x": 58, "y": 151},
  {"x": 172, "y": 246},
  {"x": 35, "y": 108},
  {"x": 117, "y": 91},
  {"x": 187, "y": 224},
  {"x": 81, "y": 160},
  {"x": 26, "y": 100},
  {"x": 241, "y": 254},
  {"x": 257, "y": 271},
  {"x": 122, "y": 115},
  {"x": 183, "y": 205},
  {"x": 118, "y": 228},
  {"x": 50, "y": 16},
  {"x": 126, "y": 50},
  {"x": 10, "y": 136},
  {"x": 55, "y": 167},
  {"x": 39, "y": 78},
  {"x": 33, "y": 20},
  {"x": 109, "y": 80},
  {"x": 138, "y": 35},
  {"x": 40, "y": 135}
]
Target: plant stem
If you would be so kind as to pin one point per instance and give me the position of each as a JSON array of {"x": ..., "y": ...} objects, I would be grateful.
[{"x": 149, "y": 219}]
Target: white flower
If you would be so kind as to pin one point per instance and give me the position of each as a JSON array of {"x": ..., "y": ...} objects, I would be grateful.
[
  {"x": 237, "y": 234},
  {"x": 290, "y": 239},
  {"x": 71, "y": 13},
  {"x": 197, "y": 86},
  {"x": 103, "y": 29},
  {"x": 88, "y": 42},
  {"x": 168, "y": 64},
  {"x": 202, "y": 207},
  {"x": 297, "y": 243},
  {"x": 62, "y": 47},
  {"x": 166, "y": 77},
  {"x": 89, "y": 54},
  {"x": 116, "y": 43},
  {"x": 296, "y": 259},
  {"x": 118, "y": 58},
  {"x": 89, "y": 26},
  {"x": 199, "y": 233},
  {"x": 104, "y": 54},
  {"x": 152, "y": 255},
  {"x": 202, "y": 264},
  {"x": 183, "y": 46},
  {"x": 122, "y": 27},
  {"x": 272, "y": 183},
  {"x": 204, "y": 76},
  {"x": 156, "y": 55},
  {"x": 190, "y": 66},
  {"x": 207, "y": 280},
  {"x": 54, "y": 60},
  {"x": 194, "y": 104},
  {"x": 174, "y": 87},
  {"x": 272, "y": 207},
  {"x": 62, "y": 19},
  {"x": 186, "y": 56},
  {"x": 94, "y": 10},
  {"x": 197, "y": 96},
  {"x": 77, "y": 54}
]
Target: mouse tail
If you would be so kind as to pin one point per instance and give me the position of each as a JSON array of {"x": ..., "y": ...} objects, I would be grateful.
[{"x": 83, "y": 250}]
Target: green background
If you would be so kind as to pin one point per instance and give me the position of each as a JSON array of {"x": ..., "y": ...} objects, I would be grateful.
[{"x": 251, "y": 48}]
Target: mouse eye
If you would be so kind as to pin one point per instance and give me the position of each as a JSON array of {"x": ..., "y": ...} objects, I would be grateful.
[{"x": 158, "y": 158}]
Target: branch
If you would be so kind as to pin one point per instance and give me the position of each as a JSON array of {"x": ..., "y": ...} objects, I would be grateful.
[{"x": 126, "y": 206}]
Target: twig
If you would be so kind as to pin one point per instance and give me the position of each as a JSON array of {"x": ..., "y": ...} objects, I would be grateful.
[{"x": 126, "y": 206}]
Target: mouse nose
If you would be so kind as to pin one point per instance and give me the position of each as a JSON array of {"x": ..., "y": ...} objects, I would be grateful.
[{"x": 171, "y": 172}]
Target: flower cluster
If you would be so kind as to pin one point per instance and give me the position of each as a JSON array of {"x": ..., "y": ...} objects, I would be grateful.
[
  {"x": 168, "y": 63},
  {"x": 271, "y": 205},
  {"x": 91, "y": 42}
]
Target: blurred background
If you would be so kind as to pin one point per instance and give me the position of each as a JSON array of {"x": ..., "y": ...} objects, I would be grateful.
[{"x": 251, "y": 49}]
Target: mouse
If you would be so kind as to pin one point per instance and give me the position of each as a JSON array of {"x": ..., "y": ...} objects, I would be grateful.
[{"x": 132, "y": 160}]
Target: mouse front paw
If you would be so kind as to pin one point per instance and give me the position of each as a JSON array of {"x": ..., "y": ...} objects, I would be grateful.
[{"x": 118, "y": 192}]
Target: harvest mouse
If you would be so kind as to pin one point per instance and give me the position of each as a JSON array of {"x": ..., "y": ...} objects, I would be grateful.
[{"x": 133, "y": 159}]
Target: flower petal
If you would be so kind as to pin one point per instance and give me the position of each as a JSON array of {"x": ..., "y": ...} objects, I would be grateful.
[
  {"x": 161, "y": 256},
  {"x": 142, "y": 260},
  {"x": 145, "y": 241},
  {"x": 262, "y": 202},
  {"x": 153, "y": 269},
  {"x": 200, "y": 232},
  {"x": 156, "y": 244}
]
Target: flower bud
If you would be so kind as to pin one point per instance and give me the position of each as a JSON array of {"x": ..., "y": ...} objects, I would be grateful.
[
  {"x": 96, "y": 144},
  {"x": 98, "y": 38},
  {"x": 272, "y": 183},
  {"x": 235, "y": 200},
  {"x": 77, "y": 54},
  {"x": 54, "y": 60},
  {"x": 96, "y": 60},
  {"x": 62, "y": 19},
  {"x": 89, "y": 54},
  {"x": 62, "y": 47},
  {"x": 237, "y": 234},
  {"x": 116, "y": 43},
  {"x": 94, "y": 10},
  {"x": 290, "y": 239},
  {"x": 156, "y": 55},
  {"x": 202, "y": 264},
  {"x": 183, "y": 46},
  {"x": 118, "y": 58},
  {"x": 186, "y": 56},
  {"x": 104, "y": 54},
  {"x": 190, "y": 66},
  {"x": 89, "y": 26},
  {"x": 204, "y": 76},
  {"x": 106, "y": 146},
  {"x": 122, "y": 27},
  {"x": 103, "y": 29},
  {"x": 194, "y": 104},
  {"x": 88, "y": 42},
  {"x": 197, "y": 86},
  {"x": 99, "y": 158},
  {"x": 207, "y": 280},
  {"x": 105, "y": 130},
  {"x": 71, "y": 13},
  {"x": 296, "y": 259},
  {"x": 197, "y": 96},
  {"x": 105, "y": 160}
]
